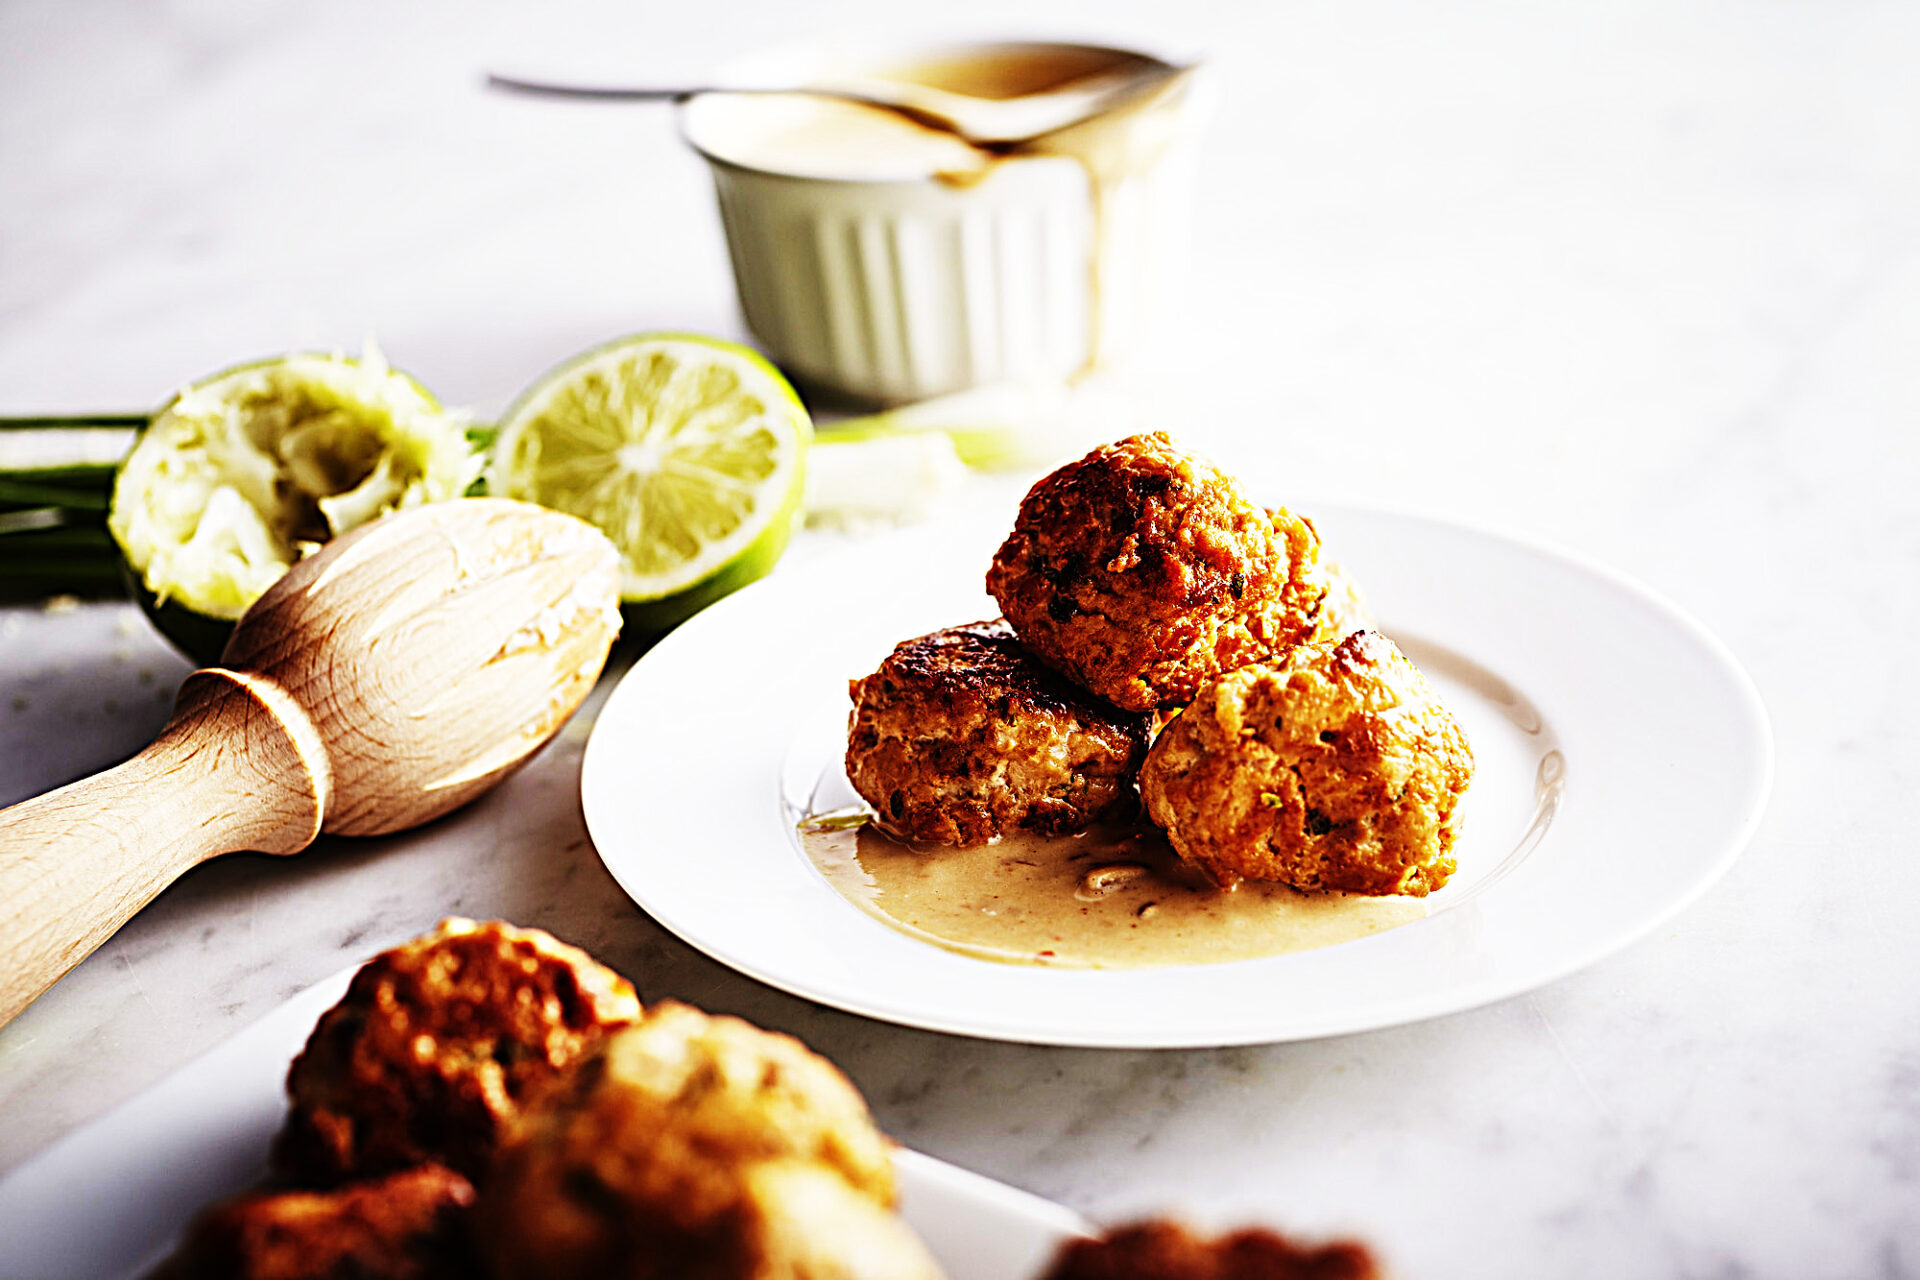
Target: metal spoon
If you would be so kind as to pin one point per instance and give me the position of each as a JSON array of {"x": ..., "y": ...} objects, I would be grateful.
[{"x": 987, "y": 122}]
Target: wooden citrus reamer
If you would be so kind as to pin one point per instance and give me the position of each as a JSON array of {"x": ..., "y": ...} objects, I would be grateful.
[{"x": 394, "y": 675}]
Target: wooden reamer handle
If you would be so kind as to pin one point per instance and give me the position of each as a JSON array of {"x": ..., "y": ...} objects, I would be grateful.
[{"x": 239, "y": 766}]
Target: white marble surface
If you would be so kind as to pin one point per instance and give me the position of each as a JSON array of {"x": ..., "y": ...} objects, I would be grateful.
[{"x": 1642, "y": 279}]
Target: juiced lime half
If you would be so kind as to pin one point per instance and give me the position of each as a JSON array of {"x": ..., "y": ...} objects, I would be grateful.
[
  {"x": 689, "y": 452},
  {"x": 244, "y": 473}
]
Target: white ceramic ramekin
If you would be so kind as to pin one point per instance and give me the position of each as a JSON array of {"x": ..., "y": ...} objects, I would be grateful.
[{"x": 895, "y": 290}]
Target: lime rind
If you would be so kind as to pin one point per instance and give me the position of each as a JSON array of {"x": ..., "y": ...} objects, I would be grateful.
[
  {"x": 200, "y": 637},
  {"x": 242, "y": 474},
  {"x": 688, "y": 451},
  {"x": 664, "y": 613}
]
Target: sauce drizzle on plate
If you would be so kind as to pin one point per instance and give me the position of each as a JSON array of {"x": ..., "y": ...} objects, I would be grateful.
[{"x": 1115, "y": 897}]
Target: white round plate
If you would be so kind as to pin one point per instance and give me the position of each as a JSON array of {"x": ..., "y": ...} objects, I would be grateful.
[{"x": 1622, "y": 760}]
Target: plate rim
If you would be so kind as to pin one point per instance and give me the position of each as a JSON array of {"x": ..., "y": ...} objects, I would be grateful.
[{"x": 1747, "y": 704}]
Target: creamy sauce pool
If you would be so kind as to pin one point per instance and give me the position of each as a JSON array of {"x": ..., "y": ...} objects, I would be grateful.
[{"x": 1110, "y": 898}]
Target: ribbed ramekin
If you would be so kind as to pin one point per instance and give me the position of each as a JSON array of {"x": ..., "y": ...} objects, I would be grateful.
[{"x": 889, "y": 291}]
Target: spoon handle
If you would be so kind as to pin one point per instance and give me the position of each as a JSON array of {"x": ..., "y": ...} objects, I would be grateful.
[
  {"x": 239, "y": 766},
  {"x": 620, "y": 93}
]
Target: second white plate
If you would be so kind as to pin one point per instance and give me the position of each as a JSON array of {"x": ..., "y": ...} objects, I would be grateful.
[
  {"x": 110, "y": 1198},
  {"x": 1622, "y": 762}
]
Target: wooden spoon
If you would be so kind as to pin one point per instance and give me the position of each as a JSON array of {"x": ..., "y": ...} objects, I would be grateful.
[{"x": 396, "y": 674}]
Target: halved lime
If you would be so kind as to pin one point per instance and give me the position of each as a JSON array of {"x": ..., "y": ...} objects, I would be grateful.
[
  {"x": 689, "y": 452},
  {"x": 242, "y": 474}
]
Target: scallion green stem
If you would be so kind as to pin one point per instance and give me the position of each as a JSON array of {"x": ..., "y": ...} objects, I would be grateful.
[
  {"x": 81, "y": 475},
  {"x": 119, "y": 420},
  {"x": 57, "y": 549},
  {"x": 27, "y": 493},
  {"x": 93, "y": 579},
  {"x": 50, "y": 528}
]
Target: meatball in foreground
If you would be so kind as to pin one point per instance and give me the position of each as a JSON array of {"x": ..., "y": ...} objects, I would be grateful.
[
  {"x": 961, "y": 736},
  {"x": 407, "y": 1226},
  {"x": 436, "y": 1044},
  {"x": 698, "y": 1148},
  {"x": 1335, "y": 769},
  {"x": 1345, "y": 609},
  {"x": 1141, "y": 571},
  {"x": 1168, "y": 1251}
]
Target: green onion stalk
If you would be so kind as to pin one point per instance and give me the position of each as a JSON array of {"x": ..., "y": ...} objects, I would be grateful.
[{"x": 56, "y": 482}]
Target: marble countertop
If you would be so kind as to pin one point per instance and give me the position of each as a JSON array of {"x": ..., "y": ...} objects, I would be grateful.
[{"x": 1643, "y": 280}]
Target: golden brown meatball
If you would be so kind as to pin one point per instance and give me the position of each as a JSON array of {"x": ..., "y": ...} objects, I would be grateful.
[
  {"x": 961, "y": 736},
  {"x": 698, "y": 1148},
  {"x": 1345, "y": 609},
  {"x": 407, "y": 1226},
  {"x": 1335, "y": 769},
  {"x": 435, "y": 1045},
  {"x": 1140, "y": 571},
  {"x": 1168, "y": 1251},
  {"x": 1343, "y": 612}
]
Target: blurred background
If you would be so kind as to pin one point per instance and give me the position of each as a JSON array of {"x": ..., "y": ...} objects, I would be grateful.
[{"x": 1596, "y": 241}]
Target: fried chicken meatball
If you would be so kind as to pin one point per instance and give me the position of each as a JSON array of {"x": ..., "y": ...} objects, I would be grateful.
[
  {"x": 407, "y": 1226},
  {"x": 1345, "y": 609},
  {"x": 1343, "y": 612},
  {"x": 698, "y": 1148},
  {"x": 961, "y": 736},
  {"x": 434, "y": 1046},
  {"x": 1141, "y": 571},
  {"x": 1336, "y": 768},
  {"x": 1168, "y": 1251}
]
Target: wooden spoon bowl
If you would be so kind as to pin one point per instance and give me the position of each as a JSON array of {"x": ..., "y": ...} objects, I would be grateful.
[{"x": 396, "y": 674}]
